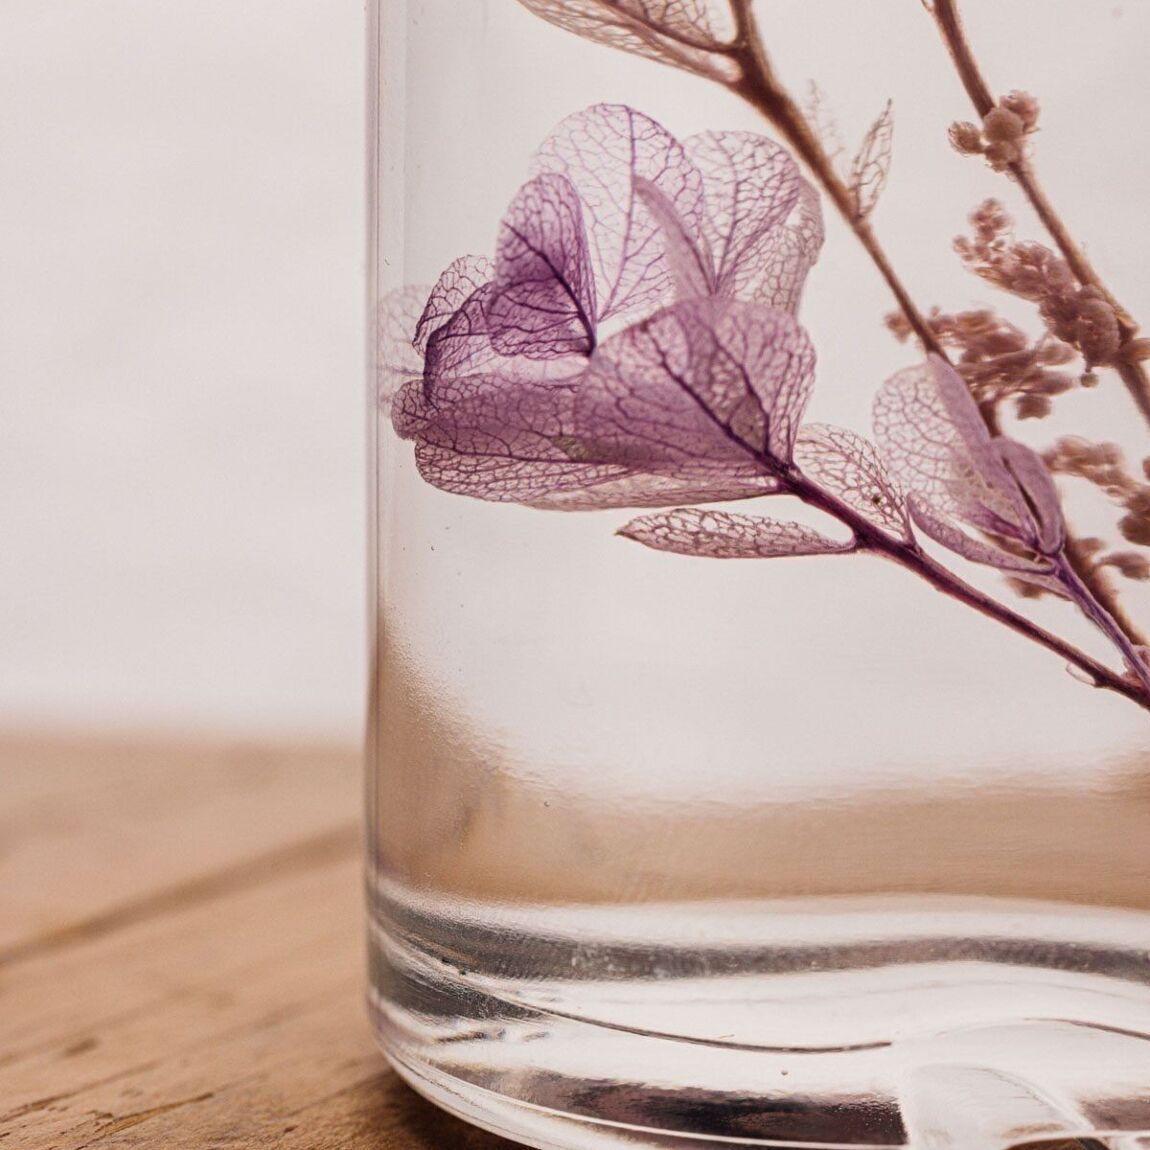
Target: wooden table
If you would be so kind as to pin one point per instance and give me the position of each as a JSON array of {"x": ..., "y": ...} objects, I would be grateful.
[
  {"x": 181, "y": 935},
  {"x": 181, "y": 953}
]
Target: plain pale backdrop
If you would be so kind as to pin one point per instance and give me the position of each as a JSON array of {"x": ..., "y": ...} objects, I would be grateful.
[{"x": 181, "y": 422}]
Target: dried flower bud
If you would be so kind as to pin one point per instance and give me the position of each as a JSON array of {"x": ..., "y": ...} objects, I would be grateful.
[
  {"x": 1033, "y": 406},
  {"x": 1024, "y": 106},
  {"x": 1131, "y": 564},
  {"x": 966, "y": 138},
  {"x": 1002, "y": 126},
  {"x": 1089, "y": 379},
  {"x": 1001, "y": 154},
  {"x": 1135, "y": 528},
  {"x": 1097, "y": 332}
]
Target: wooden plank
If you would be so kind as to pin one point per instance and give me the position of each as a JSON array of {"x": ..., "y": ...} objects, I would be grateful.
[{"x": 205, "y": 996}]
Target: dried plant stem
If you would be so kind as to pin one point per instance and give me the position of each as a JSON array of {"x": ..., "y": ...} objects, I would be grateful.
[
  {"x": 760, "y": 87},
  {"x": 949, "y": 21},
  {"x": 1132, "y": 373},
  {"x": 912, "y": 557}
]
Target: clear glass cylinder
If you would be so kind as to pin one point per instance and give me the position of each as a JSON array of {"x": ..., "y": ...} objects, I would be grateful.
[{"x": 760, "y": 701}]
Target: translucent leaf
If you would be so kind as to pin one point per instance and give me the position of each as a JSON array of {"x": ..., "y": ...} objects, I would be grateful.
[
  {"x": 462, "y": 279},
  {"x": 542, "y": 300},
  {"x": 936, "y": 444},
  {"x": 789, "y": 252},
  {"x": 495, "y": 440},
  {"x": 849, "y": 467},
  {"x": 871, "y": 164},
  {"x": 705, "y": 380},
  {"x": 722, "y": 535},
  {"x": 683, "y": 33},
  {"x": 604, "y": 151},
  {"x": 688, "y": 261},
  {"x": 1037, "y": 484},
  {"x": 397, "y": 360},
  {"x": 751, "y": 186},
  {"x": 653, "y": 489},
  {"x": 954, "y": 538}
]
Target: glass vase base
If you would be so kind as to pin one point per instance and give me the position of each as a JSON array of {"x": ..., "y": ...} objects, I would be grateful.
[{"x": 928, "y": 1023}]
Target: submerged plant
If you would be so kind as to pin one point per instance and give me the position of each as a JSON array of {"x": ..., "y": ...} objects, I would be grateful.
[{"x": 634, "y": 342}]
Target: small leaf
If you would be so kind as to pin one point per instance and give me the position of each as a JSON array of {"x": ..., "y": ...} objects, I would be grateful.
[
  {"x": 1037, "y": 484},
  {"x": 462, "y": 279},
  {"x": 826, "y": 128},
  {"x": 542, "y": 301},
  {"x": 397, "y": 360},
  {"x": 954, "y": 538},
  {"x": 752, "y": 185},
  {"x": 871, "y": 165},
  {"x": 722, "y": 535},
  {"x": 688, "y": 34},
  {"x": 789, "y": 252},
  {"x": 711, "y": 381},
  {"x": 605, "y": 151},
  {"x": 849, "y": 467}
]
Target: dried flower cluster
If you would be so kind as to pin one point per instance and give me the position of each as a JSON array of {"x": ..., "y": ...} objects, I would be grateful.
[
  {"x": 1079, "y": 316},
  {"x": 1001, "y": 137},
  {"x": 999, "y": 361}
]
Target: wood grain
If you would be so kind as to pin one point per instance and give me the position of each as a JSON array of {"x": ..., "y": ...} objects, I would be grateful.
[{"x": 181, "y": 953}]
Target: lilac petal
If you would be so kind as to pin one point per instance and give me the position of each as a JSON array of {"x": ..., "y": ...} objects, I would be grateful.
[
  {"x": 703, "y": 380},
  {"x": 788, "y": 253},
  {"x": 397, "y": 361},
  {"x": 945, "y": 531},
  {"x": 462, "y": 346},
  {"x": 494, "y": 439},
  {"x": 456, "y": 286},
  {"x": 849, "y": 467},
  {"x": 688, "y": 260},
  {"x": 682, "y": 33},
  {"x": 751, "y": 186},
  {"x": 935, "y": 443},
  {"x": 647, "y": 489},
  {"x": 542, "y": 302},
  {"x": 722, "y": 535},
  {"x": 603, "y": 151},
  {"x": 1037, "y": 484}
]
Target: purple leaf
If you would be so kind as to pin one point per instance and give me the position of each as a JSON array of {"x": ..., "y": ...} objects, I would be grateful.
[
  {"x": 1037, "y": 484},
  {"x": 705, "y": 381},
  {"x": 938, "y": 447},
  {"x": 849, "y": 467},
  {"x": 954, "y": 538},
  {"x": 751, "y": 186},
  {"x": 649, "y": 489},
  {"x": 397, "y": 361},
  {"x": 688, "y": 260},
  {"x": 604, "y": 150},
  {"x": 683, "y": 33},
  {"x": 542, "y": 301},
  {"x": 456, "y": 286},
  {"x": 789, "y": 252},
  {"x": 722, "y": 535},
  {"x": 495, "y": 439}
]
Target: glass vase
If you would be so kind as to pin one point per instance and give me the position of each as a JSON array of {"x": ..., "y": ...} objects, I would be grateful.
[{"x": 760, "y": 700}]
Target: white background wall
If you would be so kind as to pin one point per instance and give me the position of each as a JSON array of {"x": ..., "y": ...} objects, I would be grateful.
[{"x": 180, "y": 362}]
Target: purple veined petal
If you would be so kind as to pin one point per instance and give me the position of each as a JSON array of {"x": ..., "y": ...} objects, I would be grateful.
[
  {"x": 542, "y": 299},
  {"x": 849, "y": 467},
  {"x": 505, "y": 441},
  {"x": 462, "y": 279},
  {"x": 461, "y": 347},
  {"x": 723, "y": 535},
  {"x": 945, "y": 531},
  {"x": 787, "y": 254},
  {"x": 1037, "y": 484},
  {"x": 688, "y": 259},
  {"x": 935, "y": 443},
  {"x": 603, "y": 151},
  {"x": 751, "y": 185},
  {"x": 652, "y": 489},
  {"x": 715, "y": 381},
  {"x": 397, "y": 360},
  {"x": 682, "y": 33}
]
